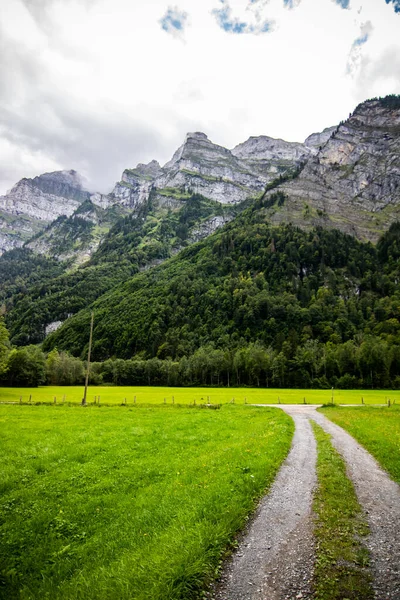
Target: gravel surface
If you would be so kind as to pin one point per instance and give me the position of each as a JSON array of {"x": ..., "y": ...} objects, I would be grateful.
[
  {"x": 274, "y": 560},
  {"x": 380, "y": 498},
  {"x": 275, "y": 557}
]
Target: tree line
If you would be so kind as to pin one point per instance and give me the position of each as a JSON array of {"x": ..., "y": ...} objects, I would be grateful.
[{"x": 367, "y": 362}]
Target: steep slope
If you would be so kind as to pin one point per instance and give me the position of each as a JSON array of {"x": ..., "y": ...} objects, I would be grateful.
[
  {"x": 212, "y": 171},
  {"x": 141, "y": 239},
  {"x": 353, "y": 182},
  {"x": 33, "y": 203},
  {"x": 75, "y": 238},
  {"x": 151, "y": 214},
  {"x": 317, "y": 140},
  {"x": 250, "y": 281},
  {"x": 270, "y": 157},
  {"x": 201, "y": 167},
  {"x": 38, "y": 208},
  {"x": 197, "y": 167}
]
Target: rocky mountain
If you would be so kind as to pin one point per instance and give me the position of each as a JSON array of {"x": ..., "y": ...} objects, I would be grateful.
[
  {"x": 346, "y": 178},
  {"x": 48, "y": 212},
  {"x": 353, "y": 182},
  {"x": 76, "y": 237},
  {"x": 201, "y": 167},
  {"x": 33, "y": 203},
  {"x": 316, "y": 140}
]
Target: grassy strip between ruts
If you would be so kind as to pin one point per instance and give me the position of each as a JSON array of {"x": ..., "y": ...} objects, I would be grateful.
[
  {"x": 341, "y": 562},
  {"x": 377, "y": 429},
  {"x": 113, "y": 504}
]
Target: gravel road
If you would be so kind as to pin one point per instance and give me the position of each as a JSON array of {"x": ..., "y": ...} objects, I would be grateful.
[
  {"x": 275, "y": 557},
  {"x": 274, "y": 560}
]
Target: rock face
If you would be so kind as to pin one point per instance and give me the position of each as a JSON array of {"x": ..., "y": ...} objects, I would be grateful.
[
  {"x": 43, "y": 198},
  {"x": 316, "y": 140},
  {"x": 272, "y": 157},
  {"x": 349, "y": 178},
  {"x": 135, "y": 185},
  {"x": 34, "y": 203},
  {"x": 210, "y": 170},
  {"x": 215, "y": 172},
  {"x": 77, "y": 237},
  {"x": 198, "y": 166},
  {"x": 353, "y": 182}
]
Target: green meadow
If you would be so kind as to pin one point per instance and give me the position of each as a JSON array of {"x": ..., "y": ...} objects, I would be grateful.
[
  {"x": 377, "y": 429},
  {"x": 109, "y": 503},
  {"x": 158, "y": 395}
]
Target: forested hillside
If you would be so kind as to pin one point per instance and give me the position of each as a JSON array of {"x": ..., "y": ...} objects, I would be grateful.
[
  {"x": 39, "y": 290},
  {"x": 301, "y": 296},
  {"x": 223, "y": 266}
]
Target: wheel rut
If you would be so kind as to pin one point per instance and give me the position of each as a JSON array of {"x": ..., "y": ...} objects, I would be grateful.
[{"x": 275, "y": 557}]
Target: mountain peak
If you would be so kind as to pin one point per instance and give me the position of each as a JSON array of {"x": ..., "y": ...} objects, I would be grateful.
[
  {"x": 70, "y": 178},
  {"x": 197, "y": 135},
  {"x": 264, "y": 147}
]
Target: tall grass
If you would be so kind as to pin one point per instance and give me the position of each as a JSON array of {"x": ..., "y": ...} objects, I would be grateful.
[{"x": 128, "y": 503}]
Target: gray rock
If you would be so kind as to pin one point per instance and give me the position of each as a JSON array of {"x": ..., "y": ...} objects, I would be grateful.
[
  {"x": 316, "y": 140},
  {"x": 33, "y": 203},
  {"x": 353, "y": 182}
]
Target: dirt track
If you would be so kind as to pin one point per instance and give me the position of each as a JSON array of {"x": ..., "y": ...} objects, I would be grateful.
[{"x": 274, "y": 560}]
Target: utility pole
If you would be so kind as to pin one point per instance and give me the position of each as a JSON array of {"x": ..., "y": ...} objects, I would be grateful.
[{"x": 88, "y": 360}]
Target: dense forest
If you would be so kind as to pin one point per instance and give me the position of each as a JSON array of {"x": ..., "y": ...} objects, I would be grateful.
[
  {"x": 37, "y": 290},
  {"x": 253, "y": 304},
  {"x": 316, "y": 308}
]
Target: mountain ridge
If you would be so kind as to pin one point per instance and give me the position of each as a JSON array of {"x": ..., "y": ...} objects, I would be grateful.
[
  {"x": 198, "y": 166},
  {"x": 141, "y": 225}
]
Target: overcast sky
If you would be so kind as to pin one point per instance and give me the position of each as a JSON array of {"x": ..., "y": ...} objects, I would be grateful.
[{"x": 100, "y": 85}]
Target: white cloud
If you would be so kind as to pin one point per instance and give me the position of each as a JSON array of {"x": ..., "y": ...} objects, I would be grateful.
[{"x": 98, "y": 85}]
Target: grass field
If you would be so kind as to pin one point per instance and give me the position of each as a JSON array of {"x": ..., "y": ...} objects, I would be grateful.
[
  {"x": 377, "y": 429},
  {"x": 119, "y": 503},
  {"x": 156, "y": 395}
]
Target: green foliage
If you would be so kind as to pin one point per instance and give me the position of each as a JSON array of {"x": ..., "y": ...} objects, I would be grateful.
[
  {"x": 323, "y": 308},
  {"x": 4, "y": 346},
  {"x": 145, "y": 506},
  {"x": 26, "y": 367},
  {"x": 341, "y": 556},
  {"x": 392, "y": 101},
  {"x": 63, "y": 369},
  {"x": 21, "y": 268},
  {"x": 55, "y": 300},
  {"x": 133, "y": 243}
]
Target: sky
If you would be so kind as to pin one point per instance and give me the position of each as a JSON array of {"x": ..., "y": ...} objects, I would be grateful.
[{"x": 101, "y": 85}]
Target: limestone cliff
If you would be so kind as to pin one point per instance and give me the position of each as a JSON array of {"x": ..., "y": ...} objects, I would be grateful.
[
  {"x": 353, "y": 182},
  {"x": 200, "y": 166},
  {"x": 32, "y": 204}
]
